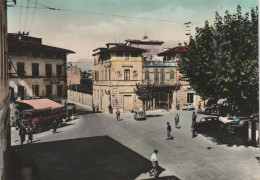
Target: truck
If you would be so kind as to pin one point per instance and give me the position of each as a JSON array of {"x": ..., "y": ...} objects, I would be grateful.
[{"x": 41, "y": 114}]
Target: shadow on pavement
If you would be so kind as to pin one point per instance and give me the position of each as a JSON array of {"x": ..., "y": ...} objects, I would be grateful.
[
  {"x": 229, "y": 139},
  {"x": 166, "y": 178},
  {"x": 84, "y": 158},
  {"x": 153, "y": 115}
]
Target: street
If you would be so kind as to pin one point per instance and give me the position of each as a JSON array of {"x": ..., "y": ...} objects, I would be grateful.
[{"x": 201, "y": 157}]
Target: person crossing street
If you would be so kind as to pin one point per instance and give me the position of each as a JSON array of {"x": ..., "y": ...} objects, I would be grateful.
[{"x": 169, "y": 129}]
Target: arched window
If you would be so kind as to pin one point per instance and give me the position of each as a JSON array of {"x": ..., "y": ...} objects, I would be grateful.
[
  {"x": 162, "y": 76},
  {"x": 171, "y": 74},
  {"x": 156, "y": 76},
  {"x": 147, "y": 75}
]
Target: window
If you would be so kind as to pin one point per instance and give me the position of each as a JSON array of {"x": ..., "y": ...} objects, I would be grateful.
[
  {"x": 156, "y": 76},
  {"x": 59, "y": 70},
  {"x": 35, "y": 89},
  {"x": 127, "y": 56},
  {"x": 171, "y": 74},
  {"x": 127, "y": 74},
  {"x": 20, "y": 69},
  {"x": 35, "y": 69},
  {"x": 105, "y": 74},
  {"x": 21, "y": 92},
  {"x": 147, "y": 75},
  {"x": 162, "y": 76},
  {"x": 59, "y": 90},
  {"x": 49, "y": 91},
  {"x": 190, "y": 97},
  {"x": 96, "y": 76},
  {"x": 48, "y": 70}
]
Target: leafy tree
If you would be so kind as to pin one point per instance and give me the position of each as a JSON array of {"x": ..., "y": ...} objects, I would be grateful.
[
  {"x": 222, "y": 60},
  {"x": 144, "y": 92}
]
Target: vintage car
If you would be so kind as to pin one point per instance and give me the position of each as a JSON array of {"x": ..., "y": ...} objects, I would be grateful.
[
  {"x": 239, "y": 125},
  {"x": 139, "y": 115},
  {"x": 188, "y": 106},
  {"x": 208, "y": 123}
]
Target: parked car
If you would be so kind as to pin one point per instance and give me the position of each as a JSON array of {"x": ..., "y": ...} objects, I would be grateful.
[
  {"x": 188, "y": 106},
  {"x": 208, "y": 123},
  {"x": 241, "y": 125},
  {"x": 139, "y": 115}
]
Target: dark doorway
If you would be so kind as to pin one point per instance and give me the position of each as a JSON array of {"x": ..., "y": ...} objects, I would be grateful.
[{"x": 49, "y": 91}]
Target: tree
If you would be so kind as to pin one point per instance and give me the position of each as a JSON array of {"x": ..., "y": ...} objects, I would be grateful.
[
  {"x": 222, "y": 60},
  {"x": 144, "y": 92}
]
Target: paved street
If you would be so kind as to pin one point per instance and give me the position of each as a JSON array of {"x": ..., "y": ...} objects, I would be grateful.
[{"x": 184, "y": 157}]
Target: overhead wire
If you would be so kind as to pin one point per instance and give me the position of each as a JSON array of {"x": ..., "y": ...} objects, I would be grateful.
[
  {"x": 104, "y": 14},
  {"x": 21, "y": 9},
  {"x": 26, "y": 15},
  {"x": 33, "y": 15}
]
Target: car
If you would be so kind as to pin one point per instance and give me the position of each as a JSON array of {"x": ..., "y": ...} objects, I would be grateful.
[
  {"x": 208, "y": 123},
  {"x": 188, "y": 106},
  {"x": 139, "y": 114}
]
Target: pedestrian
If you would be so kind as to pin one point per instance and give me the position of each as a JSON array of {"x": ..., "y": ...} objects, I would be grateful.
[
  {"x": 22, "y": 135},
  {"x": 74, "y": 111},
  {"x": 118, "y": 114},
  {"x": 154, "y": 160},
  {"x": 194, "y": 117},
  {"x": 199, "y": 107},
  {"x": 30, "y": 134},
  {"x": 110, "y": 109},
  {"x": 169, "y": 129},
  {"x": 54, "y": 126},
  {"x": 97, "y": 108},
  {"x": 177, "y": 118},
  {"x": 93, "y": 107}
]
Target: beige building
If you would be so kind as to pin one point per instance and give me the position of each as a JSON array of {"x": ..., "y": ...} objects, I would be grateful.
[
  {"x": 37, "y": 70},
  {"x": 116, "y": 71},
  {"x": 186, "y": 94},
  {"x": 73, "y": 75}
]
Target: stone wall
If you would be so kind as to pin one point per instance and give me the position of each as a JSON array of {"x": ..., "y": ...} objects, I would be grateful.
[{"x": 78, "y": 97}]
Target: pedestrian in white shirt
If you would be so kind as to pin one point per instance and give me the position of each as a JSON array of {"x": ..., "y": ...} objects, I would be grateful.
[{"x": 154, "y": 161}]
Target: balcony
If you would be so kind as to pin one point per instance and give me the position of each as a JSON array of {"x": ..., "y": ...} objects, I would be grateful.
[
  {"x": 168, "y": 84},
  {"x": 158, "y": 64}
]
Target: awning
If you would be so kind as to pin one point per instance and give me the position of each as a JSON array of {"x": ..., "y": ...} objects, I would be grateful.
[{"x": 41, "y": 103}]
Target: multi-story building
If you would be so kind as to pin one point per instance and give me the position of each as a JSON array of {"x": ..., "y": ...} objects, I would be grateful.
[
  {"x": 37, "y": 70},
  {"x": 4, "y": 92},
  {"x": 186, "y": 94},
  {"x": 73, "y": 75},
  {"x": 116, "y": 71}
]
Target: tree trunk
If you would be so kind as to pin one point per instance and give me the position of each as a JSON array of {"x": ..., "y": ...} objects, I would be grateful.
[{"x": 144, "y": 108}]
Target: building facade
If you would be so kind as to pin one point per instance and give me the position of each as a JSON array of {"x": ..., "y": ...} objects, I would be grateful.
[
  {"x": 4, "y": 92},
  {"x": 116, "y": 71},
  {"x": 73, "y": 75},
  {"x": 37, "y": 70},
  {"x": 185, "y": 94}
]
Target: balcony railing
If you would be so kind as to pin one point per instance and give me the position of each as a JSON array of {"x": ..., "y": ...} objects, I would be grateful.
[
  {"x": 162, "y": 83},
  {"x": 159, "y": 64}
]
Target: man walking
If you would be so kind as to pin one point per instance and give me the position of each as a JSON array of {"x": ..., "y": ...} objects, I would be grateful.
[
  {"x": 93, "y": 107},
  {"x": 154, "y": 161},
  {"x": 177, "y": 121},
  {"x": 118, "y": 115},
  {"x": 194, "y": 117},
  {"x": 22, "y": 135},
  {"x": 169, "y": 129},
  {"x": 97, "y": 108}
]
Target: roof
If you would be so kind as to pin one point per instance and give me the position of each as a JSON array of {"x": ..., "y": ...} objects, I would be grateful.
[
  {"x": 41, "y": 103},
  {"x": 15, "y": 43},
  {"x": 174, "y": 50},
  {"x": 125, "y": 48}
]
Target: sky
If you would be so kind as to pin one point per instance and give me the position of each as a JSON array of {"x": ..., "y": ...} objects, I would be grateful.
[{"x": 82, "y": 32}]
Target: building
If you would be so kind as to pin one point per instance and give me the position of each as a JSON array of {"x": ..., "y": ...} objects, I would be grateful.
[
  {"x": 152, "y": 47},
  {"x": 186, "y": 94},
  {"x": 163, "y": 76},
  {"x": 37, "y": 70},
  {"x": 116, "y": 71},
  {"x": 73, "y": 75},
  {"x": 4, "y": 93}
]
